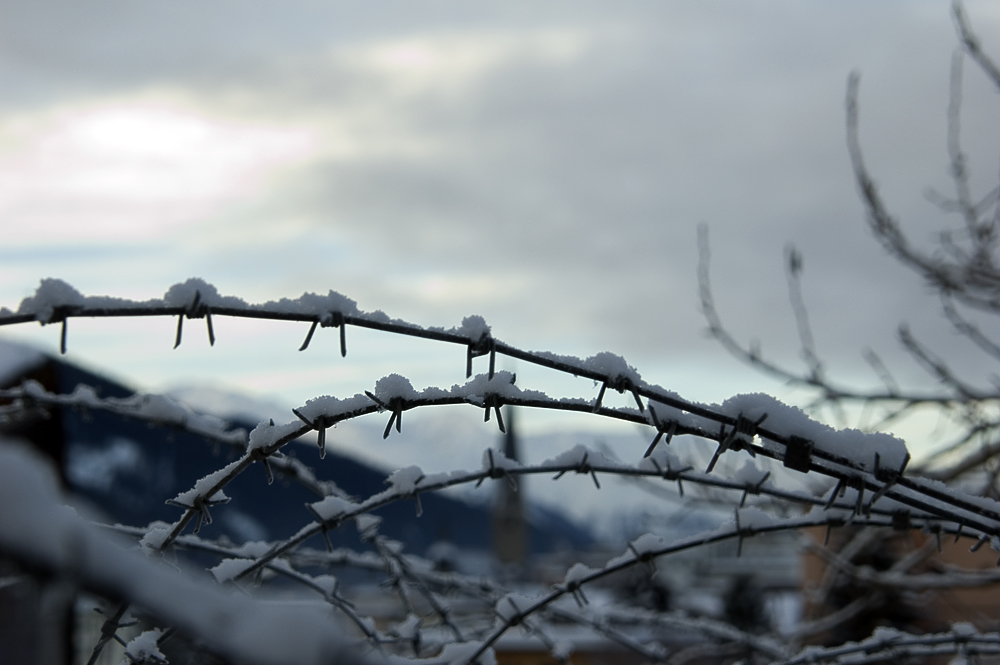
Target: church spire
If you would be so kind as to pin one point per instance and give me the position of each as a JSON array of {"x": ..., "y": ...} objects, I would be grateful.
[{"x": 510, "y": 529}]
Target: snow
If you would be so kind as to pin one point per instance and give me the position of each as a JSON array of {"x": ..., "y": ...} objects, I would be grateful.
[
  {"x": 332, "y": 507},
  {"x": 331, "y": 407},
  {"x": 963, "y": 629},
  {"x": 612, "y": 366},
  {"x": 312, "y": 303},
  {"x": 871, "y": 452},
  {"x": 51, "y": 294},
  {"x": 646, "y": 544},
  {"x": 405, "y": 480},
  {"x": 579, "y": 455},
  {"x": 605, "y": 363},
  {"x": 156, "y": 534},
  {"x": 493, "y": 458},
  {"x": 160, "y": 408},
  {"x": 502, "y": 385},
  {"x": 409, "y": 628},
  {"x": 861, "y": 448},
  {"x": 855, "y": 445},
  {"x": 982, "y": 503},
  {"x": 562, "y": 649},
  {"x": 144, "y": 647},
  {"x": 166, "y": 410},
  {"x": 183, "y": 295},
  {"x": 367, "y": 525},
  {"x": 750, "y": 474},
  {"x": 578, "y": 572},
  {"x": 228, "y": 569},
  {"x": 250, "y": 549},
  {"x": 154, "y": 408},
  {"x": 36, "y": 527},
  {"x": 661, "y": 459},
  {"x": 754, "y": 518},
  {"x": 204, "y": 484},
  {"x": 55, "y": 293},
  {"x": 266, "y": 433},
  {"x": 328, "y": 583},
  {"x": 473, "y": 327},
  {"x": 394, "y": 385}
]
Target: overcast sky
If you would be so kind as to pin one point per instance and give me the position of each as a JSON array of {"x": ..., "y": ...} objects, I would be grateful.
[{"x": 544, "y": 165}]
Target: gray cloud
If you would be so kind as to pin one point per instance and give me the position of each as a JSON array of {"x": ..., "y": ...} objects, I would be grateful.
[{"x": 554, "y": 190}]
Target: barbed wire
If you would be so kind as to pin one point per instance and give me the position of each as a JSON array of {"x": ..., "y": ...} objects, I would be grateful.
[
  {"x": 893, "y": 645},
  {"x": 830, "y": 520},
  {"x": 908, "y": 501},
  {"x": 740, "y": 437},
  {"x": 642, "y": 552},
  {"x": 871, "y": 486}
]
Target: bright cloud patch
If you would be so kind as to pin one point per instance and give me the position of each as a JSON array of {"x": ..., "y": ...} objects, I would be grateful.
[
  {"x": 449, "y": 62},
  {"x": 134, "y": 172}
]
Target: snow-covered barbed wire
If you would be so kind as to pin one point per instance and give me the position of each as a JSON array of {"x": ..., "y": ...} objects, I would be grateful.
[
  {"x": 36, "y": 527},
  {"x": 871, "y": 485},
  {"x": 248, "y": 559},
  {"x": 888, "y": 644},
  {"x": 409, "y": 483},
  {"x": 606, "y": 617},
  {"x": 647, "y": 549},
  {"x": 803, "y": 445},
  {"x": 58, "y": 299},
  {"x": 868, "y": 469},
  {"x": 325, "y": 585},
  {"x": 395, "y": 394},
  {"x": 711, "y": 628},
  {"x": 420, "y": 571},
  {"x": 868, "y": 462}
]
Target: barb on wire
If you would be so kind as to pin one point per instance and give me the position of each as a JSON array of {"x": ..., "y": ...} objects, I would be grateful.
[
  {"x": 109, "y": 631},
  {"x": 197, "y": 309},
  {"x": 670, "y": 429}
]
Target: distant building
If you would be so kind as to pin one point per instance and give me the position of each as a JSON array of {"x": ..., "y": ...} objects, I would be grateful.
[{"x": 930, "y": 607}]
